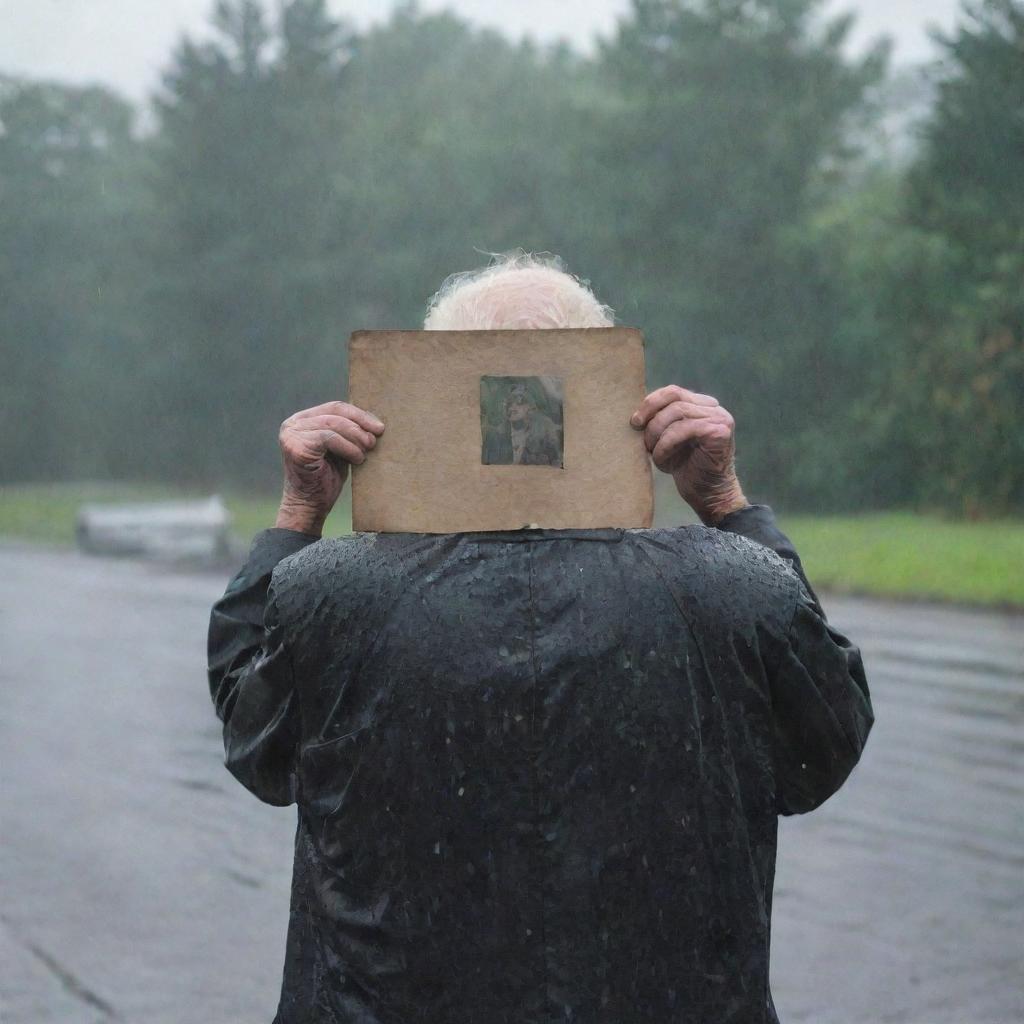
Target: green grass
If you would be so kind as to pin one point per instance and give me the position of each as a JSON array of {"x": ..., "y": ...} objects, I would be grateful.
[
  {"x": 907, "y": 555},
  {"x": 250, "y": 515},
  {"x": 888, "y": 554}
]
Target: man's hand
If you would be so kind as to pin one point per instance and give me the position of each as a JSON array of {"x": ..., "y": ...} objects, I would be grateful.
[
  {"x": 318, "y": 445},
  {"x": 691, "y": 436}
]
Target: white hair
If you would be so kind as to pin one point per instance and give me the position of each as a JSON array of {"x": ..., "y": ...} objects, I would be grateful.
[{"x": 529, "y": 291}]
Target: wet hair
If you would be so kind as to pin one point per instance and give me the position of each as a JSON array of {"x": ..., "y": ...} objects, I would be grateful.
[{"x": 516, "y": 290}]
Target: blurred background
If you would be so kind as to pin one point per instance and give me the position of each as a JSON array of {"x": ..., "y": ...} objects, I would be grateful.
[{"x": 814, "y": 211}]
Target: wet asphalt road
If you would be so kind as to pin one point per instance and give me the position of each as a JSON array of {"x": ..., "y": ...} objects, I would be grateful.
[{"x": 141, "y": 883}]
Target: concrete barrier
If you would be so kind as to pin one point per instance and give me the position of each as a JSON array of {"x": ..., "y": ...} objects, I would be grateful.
[{"x": 172, "y": 530}]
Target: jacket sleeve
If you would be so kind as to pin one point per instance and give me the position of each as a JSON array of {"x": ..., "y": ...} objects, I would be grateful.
[
  {"x": 757, "y": 523},
  {"x": 250, "y": 673},
  {"x": 821, "y": 706},
  {"x": 821, "y": 710}
]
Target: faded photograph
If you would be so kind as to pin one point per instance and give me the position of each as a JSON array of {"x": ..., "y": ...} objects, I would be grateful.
[{"x": 521, "y": 421}]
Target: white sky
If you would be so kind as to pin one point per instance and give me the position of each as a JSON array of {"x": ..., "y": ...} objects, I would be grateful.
[{"x": 125, "y": 43}]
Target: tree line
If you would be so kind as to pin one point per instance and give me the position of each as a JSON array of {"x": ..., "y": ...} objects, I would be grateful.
[{"x": 175, "y": 281}]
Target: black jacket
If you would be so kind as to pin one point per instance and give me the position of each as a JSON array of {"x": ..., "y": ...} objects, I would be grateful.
[{"x": 537, "y": 773}]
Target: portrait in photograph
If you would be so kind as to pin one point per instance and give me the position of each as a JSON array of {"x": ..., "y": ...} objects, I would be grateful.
[{"x": 521, "y": 421}]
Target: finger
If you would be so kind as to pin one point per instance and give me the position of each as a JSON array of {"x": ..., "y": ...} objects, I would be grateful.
[
  {"x": 685, "y": 433},
  {"x": 365, "y": 419},
  {"x": 657, "y": 400},
  {"x": 671, "y": 413},
  {"x": 342, "y": 447},
  {"x": 340, "y": 425},
  {"x": 317, "y": 410}
]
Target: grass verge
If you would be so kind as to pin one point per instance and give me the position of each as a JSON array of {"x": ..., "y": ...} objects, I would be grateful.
[
  {"x": 908, "y": 555},
  {"x": 47, "y": 512},
  {"x": 885, "y": 554}
]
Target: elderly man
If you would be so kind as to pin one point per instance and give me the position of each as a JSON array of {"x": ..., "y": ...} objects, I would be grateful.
[{"x": 538, "y": 773}]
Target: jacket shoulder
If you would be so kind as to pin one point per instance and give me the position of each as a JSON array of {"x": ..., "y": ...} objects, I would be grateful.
[
  {"x": 723, "y": 577},
  {"x": 317, "y": 571},
  {"x": 355, "y": 571}
]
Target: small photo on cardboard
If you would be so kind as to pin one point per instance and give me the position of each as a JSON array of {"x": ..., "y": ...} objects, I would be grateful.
[
  {"x": 521, "y": 421},
  {"x": 585, "y": 381}
]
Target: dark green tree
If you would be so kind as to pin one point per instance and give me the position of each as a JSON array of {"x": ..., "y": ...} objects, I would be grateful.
[
  {"x": 312, "y": 182},
  {"x": 174, "y": 296},
  {"x": 247, "y": 173},
  {"x": 461, "y": 145},
  {"x": 726, "y": 128},
  {"x": 69, "y": 320},
  {"x": 954, "y": 399}
]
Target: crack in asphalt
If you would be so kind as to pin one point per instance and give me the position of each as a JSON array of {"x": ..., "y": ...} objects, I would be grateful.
[{"x": 72, "y": 985}]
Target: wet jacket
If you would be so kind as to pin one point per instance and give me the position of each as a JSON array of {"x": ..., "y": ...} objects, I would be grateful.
[{"x": 537, "y": 773}]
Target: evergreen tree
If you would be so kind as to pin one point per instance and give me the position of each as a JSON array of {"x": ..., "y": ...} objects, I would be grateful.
[
  {"x": 246, "y": 173},
  {"x": 961, "y": 404},
  {"x": 175, "y": 296},
  {"x": 727, "y": 124},
  {"x": 69, "y": 206}
]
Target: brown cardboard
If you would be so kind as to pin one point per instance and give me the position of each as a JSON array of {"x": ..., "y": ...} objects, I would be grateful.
[{"x": 426, "y": 475}]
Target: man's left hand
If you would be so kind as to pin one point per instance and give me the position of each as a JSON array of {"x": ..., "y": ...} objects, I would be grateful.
[{"x": 692, "y": 437}]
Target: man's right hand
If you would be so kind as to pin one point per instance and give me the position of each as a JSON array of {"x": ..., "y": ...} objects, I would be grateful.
[{"x": 318, "y": 445}]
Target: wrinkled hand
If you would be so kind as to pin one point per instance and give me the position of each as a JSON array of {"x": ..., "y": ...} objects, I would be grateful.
[
  {"x": 318, "y": 445},
  {"x": 692, "y": 437}
]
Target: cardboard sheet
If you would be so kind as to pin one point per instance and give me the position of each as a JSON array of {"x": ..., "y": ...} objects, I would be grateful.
[{"x": 501, "y": 430}]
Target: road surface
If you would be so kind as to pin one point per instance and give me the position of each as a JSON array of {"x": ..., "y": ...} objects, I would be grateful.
[{"x": 141, "y": 883}]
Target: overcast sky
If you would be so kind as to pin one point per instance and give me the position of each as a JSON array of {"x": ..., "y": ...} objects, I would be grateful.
[{"x": 125, "y": 43}]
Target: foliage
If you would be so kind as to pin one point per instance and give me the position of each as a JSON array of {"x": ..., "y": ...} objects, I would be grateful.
[
  {"x": 250, "y": 248},
  {"x": 966, "y": 195},
  {"x": 68, "y": 179},
  {"x": 728, "y": 118},
  {"x": 170, "y": 295}
]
